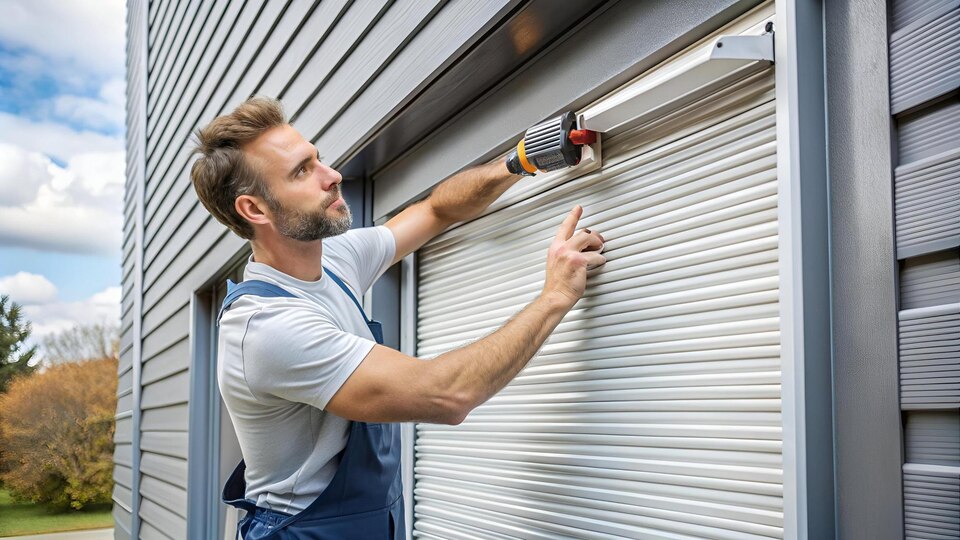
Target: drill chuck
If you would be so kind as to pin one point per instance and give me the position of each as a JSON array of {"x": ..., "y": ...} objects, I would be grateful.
[{"x": 550, "y": 145}]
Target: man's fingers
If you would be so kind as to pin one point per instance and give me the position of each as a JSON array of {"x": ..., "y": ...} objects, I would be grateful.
[
  {"x": 569, "y": 224},
  {"x": 594, "y": 259},
  {"x": 586, "y": 240}
]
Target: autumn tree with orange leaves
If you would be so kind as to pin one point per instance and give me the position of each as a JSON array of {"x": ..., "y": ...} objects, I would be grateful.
[{"x": 56, "y": 431}]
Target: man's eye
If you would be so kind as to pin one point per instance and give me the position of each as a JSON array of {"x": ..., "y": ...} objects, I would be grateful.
[{"x": 301, "y": 171}]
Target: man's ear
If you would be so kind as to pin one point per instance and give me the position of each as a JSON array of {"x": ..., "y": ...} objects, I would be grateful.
[{"x": 253, "y": 209}]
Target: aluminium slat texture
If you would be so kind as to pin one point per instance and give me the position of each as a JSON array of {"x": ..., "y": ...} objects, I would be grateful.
[
  {"x": 924, "y": 78},
  {"x": 932, "y": 437},
  {"x": 924, "y": 58},
  {"x": 904, "y": 13},
  {"x": 928, "y": 204},
  {"x": 930, "y": 280},
  {"x": 931, "y": 501},
  {"x": 653, "y": 410},
  {"x": 929, "y": 131},
  {"x": 930, "y": 357},
  {"x": 924, "y": 66}
]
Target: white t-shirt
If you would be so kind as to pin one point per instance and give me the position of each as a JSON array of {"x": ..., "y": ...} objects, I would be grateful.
[{"x": 280, "y": 360}]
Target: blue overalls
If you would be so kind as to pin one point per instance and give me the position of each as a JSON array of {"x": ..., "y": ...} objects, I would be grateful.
[{"x": 365, "y": 498}]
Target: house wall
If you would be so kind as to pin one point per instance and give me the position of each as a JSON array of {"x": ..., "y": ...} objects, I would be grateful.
[
  {"x": 382, "y": 87},
  {"x": 343, "y": 69}
]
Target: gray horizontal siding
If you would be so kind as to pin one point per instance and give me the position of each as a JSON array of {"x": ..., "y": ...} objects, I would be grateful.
[
  {"x": 161, "y": 522},
  {"x": 122, "y": 455},
  {"x": 172, "y": 132},
  {"x": 170, "y": 48},
  {"x": 165, "y": 443},
  {"x": 930, "y": 280},
  {"x": 172, "y": 360},
  {"x": 168, "y": 468},
  {"x": 126, "y": 351},
  {"x": 905, "y": 12},
  {"x": 169, "y": 497},
  {"x": 171, "y": 67},
  {"x": 346, "y": 113},
  {"x": 166, "y": 419},
  {"x": 931, "y": 496},
  {"x": 215, "y": 25},
  {"x": 162, "y": 304},
  {"x": 165, "y": 34},
  {"x": 396, "y": 26},
  {"x": 932, "y": 437},
  {"x": 154, "y": 7},
  {"x": 928, "y": 204},
  {"x": 924, "y": 63},
  {"x": 159, "y": 338},
  {"x": 121, "y": 523},
  {"x": 168, "y": 391},
  {"x": 930, "y": 131},
  {"x": 930, "y": 357}
]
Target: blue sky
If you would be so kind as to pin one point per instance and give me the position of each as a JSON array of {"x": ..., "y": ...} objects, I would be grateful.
[{"x": 61, "y": 159}]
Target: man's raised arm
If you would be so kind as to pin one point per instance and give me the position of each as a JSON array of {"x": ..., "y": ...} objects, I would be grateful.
[
  {"x": 461, "y": 197},
  {"x": 390, "y": 386}
]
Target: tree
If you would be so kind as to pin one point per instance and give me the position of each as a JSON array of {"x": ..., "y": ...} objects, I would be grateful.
[
  {"x": 57, "y": 434},
  {"x": 83, "y": 342},
  {"x": 14, "y": 355}
]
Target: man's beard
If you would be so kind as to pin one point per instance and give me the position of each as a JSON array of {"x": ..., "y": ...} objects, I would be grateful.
[{"x": 310, "y": 226}]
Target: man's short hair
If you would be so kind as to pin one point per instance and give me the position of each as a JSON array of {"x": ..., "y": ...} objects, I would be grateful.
[{"x": 222, "y": 174}]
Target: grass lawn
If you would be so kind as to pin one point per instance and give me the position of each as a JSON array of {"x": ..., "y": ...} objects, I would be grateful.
[{"x": 28, "y": 518}]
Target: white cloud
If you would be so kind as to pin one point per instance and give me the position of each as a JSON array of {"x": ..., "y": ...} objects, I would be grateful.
[
  {"x": 21, "y": 175},
  {"x": 26, "y": 288},
  {"x": 56, "y": 316},
  {"x": 105, "y": 112},
  {"x": 76, "y": 209},
  {"x": 81, "y": 35},
  {"x": 52, "y": 139}
]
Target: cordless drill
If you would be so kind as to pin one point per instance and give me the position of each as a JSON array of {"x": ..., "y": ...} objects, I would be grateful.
[{"x": 550, "y": 145}]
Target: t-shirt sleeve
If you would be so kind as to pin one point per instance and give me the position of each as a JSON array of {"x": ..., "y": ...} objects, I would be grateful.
[
  {"x": 360, "y": 256},
  {"x": 299, "y": 355}
]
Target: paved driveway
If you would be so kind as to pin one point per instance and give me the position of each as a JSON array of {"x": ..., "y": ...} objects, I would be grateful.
[{"x": 94, "y": 534}]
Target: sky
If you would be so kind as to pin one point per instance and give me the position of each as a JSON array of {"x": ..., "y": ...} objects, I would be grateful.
[{"x": 62, "y": 95}]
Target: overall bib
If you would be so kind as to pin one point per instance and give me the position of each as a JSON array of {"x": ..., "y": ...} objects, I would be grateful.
[{"x": 364, "y": 500}]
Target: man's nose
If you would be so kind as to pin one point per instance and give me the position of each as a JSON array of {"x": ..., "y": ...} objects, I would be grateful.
[{"x": 331, "y": 178}]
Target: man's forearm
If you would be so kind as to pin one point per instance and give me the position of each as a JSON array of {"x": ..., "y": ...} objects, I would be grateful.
[
  {"x": 474, "y": 373},
  {"x": 468, "y": 193}
]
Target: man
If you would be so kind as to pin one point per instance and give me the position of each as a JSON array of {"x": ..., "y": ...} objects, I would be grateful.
[{"x": 313, "y": 397}]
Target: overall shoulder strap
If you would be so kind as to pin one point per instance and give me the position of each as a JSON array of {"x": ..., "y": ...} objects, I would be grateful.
[
  {"x": 346, "y": 289},
  {"x": 254, "y": 287}
]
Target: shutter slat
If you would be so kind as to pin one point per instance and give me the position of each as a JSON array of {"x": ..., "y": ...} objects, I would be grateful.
[{"x": 653, "y": 410}]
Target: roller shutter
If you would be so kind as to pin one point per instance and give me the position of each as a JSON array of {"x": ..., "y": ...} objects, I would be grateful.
[{"x": 653, "y": 411}]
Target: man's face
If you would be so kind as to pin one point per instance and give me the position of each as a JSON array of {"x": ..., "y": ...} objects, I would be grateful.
[{"x": 303, "y": 194}]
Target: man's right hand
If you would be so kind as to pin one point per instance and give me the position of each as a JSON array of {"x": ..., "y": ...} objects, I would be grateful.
[
  {"x": 571, "y": 254},
  {"x": 390, "y": 386}
]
